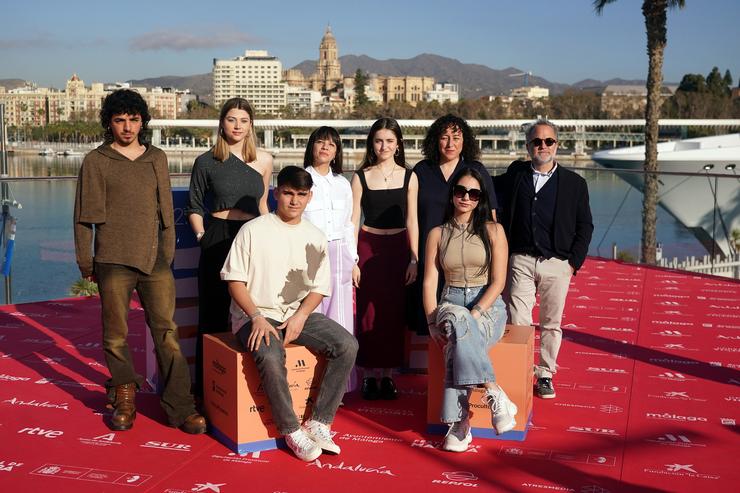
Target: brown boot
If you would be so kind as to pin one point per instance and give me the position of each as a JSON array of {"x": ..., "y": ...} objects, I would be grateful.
[{"x": 124, "y": 410}]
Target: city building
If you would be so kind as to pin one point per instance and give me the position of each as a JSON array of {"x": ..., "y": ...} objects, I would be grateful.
[
  {"x": 408, "y": 88},
  {"x": 530, "y": 92},
  {"x": 36, "y": 106},
  {"x": 328, "y": 76},
  {"x": 256, "y": 76},
  {"x": 444, "y": 92},
  {"x": 302, "y": 101},
  {"x": 627, "y": 101}
]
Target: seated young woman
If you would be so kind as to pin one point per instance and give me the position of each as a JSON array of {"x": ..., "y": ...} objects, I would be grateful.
[{"x": 469, "y": 249}]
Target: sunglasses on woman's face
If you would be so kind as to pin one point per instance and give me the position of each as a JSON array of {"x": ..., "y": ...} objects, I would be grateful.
[{"x": 460, "y": 191}]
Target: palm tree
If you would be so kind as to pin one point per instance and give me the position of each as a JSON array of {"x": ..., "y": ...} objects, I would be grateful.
[
  {"x": 655, "y": 13},
  {"x": 83, "y": 287}
]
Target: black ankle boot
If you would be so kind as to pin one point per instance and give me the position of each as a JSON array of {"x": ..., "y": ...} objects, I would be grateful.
[
  {"x": 388, "y": 390},
  {"x": 370, "y": 390}
]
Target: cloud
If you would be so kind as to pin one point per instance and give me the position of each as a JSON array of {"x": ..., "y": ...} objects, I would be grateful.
[
  {"x": 35, "y": 42},
  {"x": 46, "y": 42},
  {"x": 189, "y": 39}
]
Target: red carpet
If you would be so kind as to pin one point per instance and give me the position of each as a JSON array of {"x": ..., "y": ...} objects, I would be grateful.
[{"x": 647, "y": 400}]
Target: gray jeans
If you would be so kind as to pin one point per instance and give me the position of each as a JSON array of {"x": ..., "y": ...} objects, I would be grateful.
[{"x": 322, "y": 336}]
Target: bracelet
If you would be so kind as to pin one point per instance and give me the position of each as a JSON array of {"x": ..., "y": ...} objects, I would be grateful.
[
  {"x": 199, "y": 235},
  {"x": 478, "y": 308},
  {"x": 413, "y": 261},
  {"x": 255, "y": 315}
]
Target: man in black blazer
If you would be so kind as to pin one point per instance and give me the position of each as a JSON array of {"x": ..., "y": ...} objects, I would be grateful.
[{"x": 547, "y": 218}]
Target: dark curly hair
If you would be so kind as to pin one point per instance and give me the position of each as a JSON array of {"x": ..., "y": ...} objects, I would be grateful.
[
  {"x": 430, "y": 148},
  {"x": 324, "y": 133},
  {"x": 481, "y": 214},
  {"x": 124, "y": 102}
]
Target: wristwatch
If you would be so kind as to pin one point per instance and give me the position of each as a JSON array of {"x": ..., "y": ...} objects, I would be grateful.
[{"x": 199, "y": 235}]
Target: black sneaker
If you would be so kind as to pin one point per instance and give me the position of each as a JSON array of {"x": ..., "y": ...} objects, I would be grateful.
[
  {"x": 388, "y": 390},
  {"x": 544, "y": 388},
  {"x": 370, "y": 391}
]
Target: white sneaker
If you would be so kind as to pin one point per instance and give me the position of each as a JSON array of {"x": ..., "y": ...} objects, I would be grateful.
[
  {"x": 321, "y": 434},
  {"x": 503, "y": 410},
  {"x": 458, "y": 437},
  {"x": 302, "y": 446}
]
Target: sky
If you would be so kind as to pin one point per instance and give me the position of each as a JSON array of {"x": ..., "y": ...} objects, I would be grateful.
[{"x": 560, "y": 40}]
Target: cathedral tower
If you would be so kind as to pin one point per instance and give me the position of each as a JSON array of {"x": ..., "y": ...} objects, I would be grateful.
[{"x": 328, "y": 69}]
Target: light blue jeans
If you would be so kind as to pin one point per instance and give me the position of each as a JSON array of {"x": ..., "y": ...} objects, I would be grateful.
[{"x": 466, "y": 354}]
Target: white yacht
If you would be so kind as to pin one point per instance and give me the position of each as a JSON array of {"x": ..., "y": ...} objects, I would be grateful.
[{"x": 691, "y": 198}]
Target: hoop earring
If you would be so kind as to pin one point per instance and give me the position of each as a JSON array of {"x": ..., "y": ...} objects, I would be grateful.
[{"x": 398, "y": 149}]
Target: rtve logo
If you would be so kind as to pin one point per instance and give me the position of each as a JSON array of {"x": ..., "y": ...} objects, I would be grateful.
[{"x": 41, "y": 432}]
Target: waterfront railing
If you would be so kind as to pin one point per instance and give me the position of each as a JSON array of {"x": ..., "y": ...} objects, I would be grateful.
[{"x": 43, "y": 264}]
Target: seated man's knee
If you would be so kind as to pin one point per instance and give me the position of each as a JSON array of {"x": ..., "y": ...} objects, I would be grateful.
[{"x": 270, "y": 356}]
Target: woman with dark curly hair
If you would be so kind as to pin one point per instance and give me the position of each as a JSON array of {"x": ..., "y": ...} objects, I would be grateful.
[
  {"x": 471, "y": 252},
  {"x": 449, "y": 148}
]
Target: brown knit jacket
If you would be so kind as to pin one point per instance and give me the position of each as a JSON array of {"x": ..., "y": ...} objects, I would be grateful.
[{"x": 123, "y": 204}]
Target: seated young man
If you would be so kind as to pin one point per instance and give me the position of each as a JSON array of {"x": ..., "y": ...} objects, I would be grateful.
[{"x": 278, "y": 273}]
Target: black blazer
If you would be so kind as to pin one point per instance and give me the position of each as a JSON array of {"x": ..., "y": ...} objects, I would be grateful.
[{"x": 573, "y": 225}]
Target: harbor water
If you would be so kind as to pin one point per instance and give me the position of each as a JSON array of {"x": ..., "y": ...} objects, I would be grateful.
[{"x": 43, "y": 266}]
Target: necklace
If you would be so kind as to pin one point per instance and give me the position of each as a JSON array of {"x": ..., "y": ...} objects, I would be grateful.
[{"x": 388, "y": 176}]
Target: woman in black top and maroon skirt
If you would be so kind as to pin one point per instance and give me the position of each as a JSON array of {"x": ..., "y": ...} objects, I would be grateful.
[
  {"x": 379, "y": 191},
  {"x": 228, "y": 187}
]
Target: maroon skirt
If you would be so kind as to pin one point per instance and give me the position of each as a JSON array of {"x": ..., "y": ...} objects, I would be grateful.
[{"x": 381, "y": 299}]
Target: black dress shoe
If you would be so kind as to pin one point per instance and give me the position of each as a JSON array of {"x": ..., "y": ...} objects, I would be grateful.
[
  {"x": 388, "y": 390},
  {"x": 370, "y": 391}
]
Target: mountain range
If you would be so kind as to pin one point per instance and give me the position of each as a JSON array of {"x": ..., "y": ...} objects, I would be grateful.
[{"x": 475, "y": 80}]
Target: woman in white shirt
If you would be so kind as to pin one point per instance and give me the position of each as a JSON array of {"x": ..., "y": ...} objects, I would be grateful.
[{"x": 330, "y": 210}]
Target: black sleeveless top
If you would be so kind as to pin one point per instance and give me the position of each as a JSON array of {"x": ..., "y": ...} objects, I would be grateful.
[{"x": 384, "y": 208}]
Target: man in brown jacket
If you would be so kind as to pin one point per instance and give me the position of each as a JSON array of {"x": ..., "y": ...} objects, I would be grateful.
[{"x": 123, "y": 205}]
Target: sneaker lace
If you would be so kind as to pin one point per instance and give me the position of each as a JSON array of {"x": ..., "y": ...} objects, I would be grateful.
[
  {"x": 302, "y": 441},
  {"x": 494, "y": 402},
  {"x": 320, "y": 430}
]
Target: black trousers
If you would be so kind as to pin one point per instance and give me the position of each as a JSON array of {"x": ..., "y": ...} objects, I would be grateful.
[{"x": 213, "y": 293}]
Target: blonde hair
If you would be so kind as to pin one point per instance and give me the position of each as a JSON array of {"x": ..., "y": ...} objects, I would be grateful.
[{"x": 222, "y": 151}]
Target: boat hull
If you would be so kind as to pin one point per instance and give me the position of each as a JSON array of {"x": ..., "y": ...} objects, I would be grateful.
[{"x": 690, "y": 198}]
